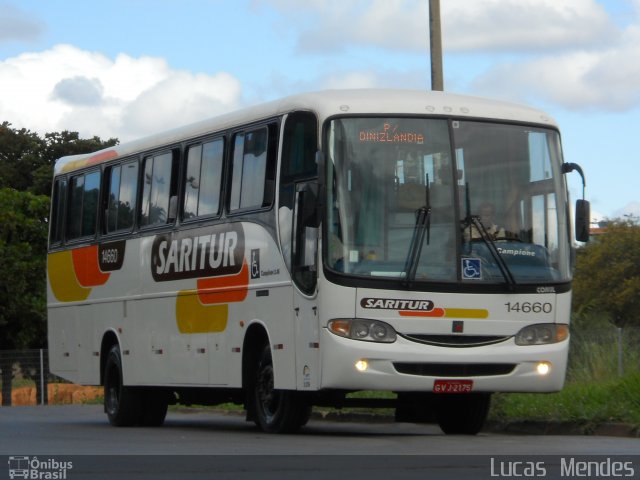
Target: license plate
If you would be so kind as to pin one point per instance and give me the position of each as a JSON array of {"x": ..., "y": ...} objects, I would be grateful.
[{"x": 452, "y": 386}]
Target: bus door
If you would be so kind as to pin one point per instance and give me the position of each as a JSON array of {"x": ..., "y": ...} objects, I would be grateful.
[
  {"x": 305, "y": 275},
  {"x": 298, "y": 234}
]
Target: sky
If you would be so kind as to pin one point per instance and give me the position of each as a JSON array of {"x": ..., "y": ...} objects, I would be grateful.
[{"x": 129, "y": 68}]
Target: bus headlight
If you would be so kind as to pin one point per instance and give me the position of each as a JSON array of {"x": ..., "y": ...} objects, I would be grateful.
[
  {"x": 543, "y": 368},
  {"x": 361, "y": 329},
  {"x": 542, "y": 334}
]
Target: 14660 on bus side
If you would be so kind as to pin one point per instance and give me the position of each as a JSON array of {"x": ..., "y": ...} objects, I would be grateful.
[{"x": 292, "y": 253}]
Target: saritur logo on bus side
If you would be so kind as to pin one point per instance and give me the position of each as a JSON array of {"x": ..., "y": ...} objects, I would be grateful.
[{"x": 197, "y": 253}]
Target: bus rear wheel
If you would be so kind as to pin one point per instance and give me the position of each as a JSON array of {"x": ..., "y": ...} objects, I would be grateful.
[
  {"x": 276, "y": 411},
  {"x": 122, "y": 404},
  {"x": 127, "y": 406},
  {"x": 459, "y": 414}
]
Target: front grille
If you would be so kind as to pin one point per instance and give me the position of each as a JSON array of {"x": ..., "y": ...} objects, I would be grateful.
[
  {"x": 454, "y": 369},
  {"x": 456, "y": 341}
]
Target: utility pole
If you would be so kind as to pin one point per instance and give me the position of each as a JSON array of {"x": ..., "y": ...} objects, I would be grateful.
[{"x": 435, "y": 36}]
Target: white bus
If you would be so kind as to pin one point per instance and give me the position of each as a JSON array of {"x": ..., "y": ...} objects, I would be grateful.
[{"x": 293, "y": 253}]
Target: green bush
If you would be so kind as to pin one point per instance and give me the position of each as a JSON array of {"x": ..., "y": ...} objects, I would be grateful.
[{"x": 594, "y": 391}]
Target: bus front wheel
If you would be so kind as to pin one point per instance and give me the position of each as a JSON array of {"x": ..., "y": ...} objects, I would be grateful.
[
  {"x": 155, "y": 404},
  {"x": 276, "y": 411},
  {"x": 462, "y": 414}
]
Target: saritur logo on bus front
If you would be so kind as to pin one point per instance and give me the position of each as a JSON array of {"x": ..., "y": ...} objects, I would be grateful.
[
  {"x": 38, "y": 469},
  {"x": 397, "y": 304}
]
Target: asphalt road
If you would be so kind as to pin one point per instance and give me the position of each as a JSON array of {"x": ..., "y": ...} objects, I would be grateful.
[{"x": 205, "y": 444}]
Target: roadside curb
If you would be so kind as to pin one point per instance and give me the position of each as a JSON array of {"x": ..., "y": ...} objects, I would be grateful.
[
  {"x": 524, "y": 427},
  {"x": 607, "y": 429}
]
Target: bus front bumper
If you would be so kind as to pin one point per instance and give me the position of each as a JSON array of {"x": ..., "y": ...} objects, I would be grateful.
[{"x": 411, "y": 366}]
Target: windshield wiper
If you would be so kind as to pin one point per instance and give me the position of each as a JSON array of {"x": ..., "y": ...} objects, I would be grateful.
[
  {"x": 486, "y": 238},
  {"x": 491, "y": 245},
  {"x": 421, "y": 228}
]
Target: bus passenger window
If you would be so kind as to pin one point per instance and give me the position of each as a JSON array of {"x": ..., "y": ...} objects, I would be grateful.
[
  {"x": 249, "y": 170},
  {"x": 157, "y": 189},
  {"x": 57, "y": 210},
  {"x": 122, "y": 197},
  {"x": 83, "y": 205},
  {"x": 203, "y": 180}
]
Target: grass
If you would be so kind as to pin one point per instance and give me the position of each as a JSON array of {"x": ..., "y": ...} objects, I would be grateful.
[
  {"x": 615, "y": 400},
  {"x": 594, "y": 392}
]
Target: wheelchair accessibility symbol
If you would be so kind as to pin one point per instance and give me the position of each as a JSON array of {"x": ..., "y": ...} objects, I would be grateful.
[
  {"x": 471, "y": 269},
  {"x": 255, "y": 263}
]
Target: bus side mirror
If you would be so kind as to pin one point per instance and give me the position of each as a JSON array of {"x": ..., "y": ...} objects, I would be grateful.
[
  {"x": 305, "y": 236},
  {"x": 583, "y": 219},
  {"x": 583, "y": 214}
]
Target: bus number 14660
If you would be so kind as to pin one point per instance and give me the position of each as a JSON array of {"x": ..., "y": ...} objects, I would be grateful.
[
  {"x": 529, "y": 307},
  {"x": 110, "y": 255}
]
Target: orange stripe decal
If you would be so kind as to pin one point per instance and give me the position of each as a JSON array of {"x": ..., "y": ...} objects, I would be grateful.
[
  {"x": 447, "y": 313},
  {"x": 87, "y": 268},
  {"x": 436, "y": 312},
  {"x": 206, "y": 310},
  {"x": 101, "y": 157},
  {"x": 94, "y": 159},
  {"x": 231, "y": 288}
]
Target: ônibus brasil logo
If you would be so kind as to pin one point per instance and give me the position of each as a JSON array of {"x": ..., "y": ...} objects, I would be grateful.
[{"x": 38, "y": 469}]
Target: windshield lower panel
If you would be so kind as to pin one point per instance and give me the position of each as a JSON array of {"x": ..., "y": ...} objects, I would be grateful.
[{"x": 484, "y": 189}]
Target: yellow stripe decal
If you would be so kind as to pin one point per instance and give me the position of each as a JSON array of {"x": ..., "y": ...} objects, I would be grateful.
[
  {"x": 193, "y": 317},
  {"x": 466, "y": 313},
  {"x": 62, "y": 278}
]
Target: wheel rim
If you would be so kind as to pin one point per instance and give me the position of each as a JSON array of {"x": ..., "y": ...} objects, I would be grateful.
[
  {"x": 268, "y": 398},
  {"x": 112, "y": 393}
]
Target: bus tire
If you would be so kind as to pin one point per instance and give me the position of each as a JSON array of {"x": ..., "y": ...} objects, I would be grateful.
[
  {"x": 276, "y": 411},
  {"x": 121, "y": 404},
  {"x": 462, "y": 414},
  {"x": 154, "y": 408}
]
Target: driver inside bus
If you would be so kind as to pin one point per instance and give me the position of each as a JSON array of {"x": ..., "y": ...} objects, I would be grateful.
[{"x": 487, "y": 219}]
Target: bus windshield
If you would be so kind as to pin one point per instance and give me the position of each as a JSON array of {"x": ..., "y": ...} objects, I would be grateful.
[{"x": 485, "y": 201}]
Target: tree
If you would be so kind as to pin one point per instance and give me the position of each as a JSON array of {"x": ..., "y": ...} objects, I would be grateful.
[
  {"x": 607, "y": 276},
  {"x": 23, "y": 248},
  {"x": 26, "y": 172},
  {"x": 19, "y": 156},
  {"x": 27, "y": 160}
]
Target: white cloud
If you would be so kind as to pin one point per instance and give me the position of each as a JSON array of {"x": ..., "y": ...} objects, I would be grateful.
[
  {"x": 18, "y": 25},
  {"x": 630, "y": 211},
  {"x": 376, "y": 23},
  {"x": 351, "y": 80},
  {"x": 605, "y": 79},
  {"x": 574, "y": 53},
  {"x": 467, "y": 25},
  {"x": 182, "y": 98},
  {"x": 66, "y": 88},
  {"x": 596, "y": 216},
  {"x": 79, "y": 91},
  {"x": 524, "y": 25}
]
